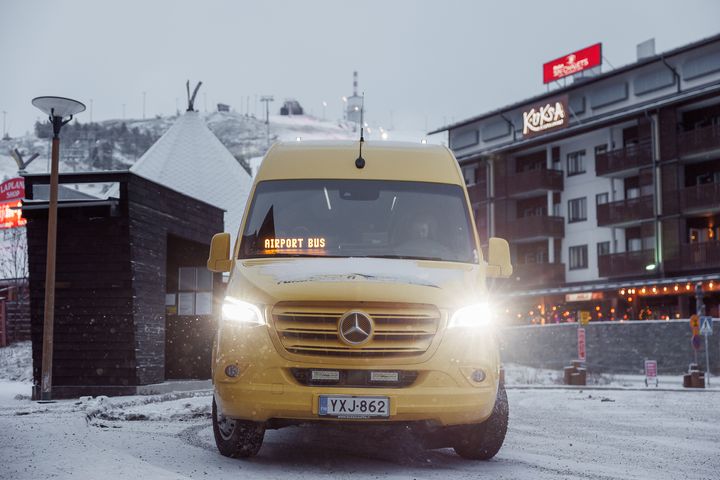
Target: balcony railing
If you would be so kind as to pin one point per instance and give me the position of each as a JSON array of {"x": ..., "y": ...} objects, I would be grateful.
[
  {"x": 534, "y": 181},
  {"x": 700, "y": 196},
  {"x": 627, "y": 158},
  {"x": 477, "y": 192},
  {"x": 695, "y": 256},
  {"x": 536, "y": 275},
  {"x": 625, "y": 211},
  {"x": 528, "y": 228},
  {"x": 699, "y": 140},
  {"x": 625, "y": 264}
]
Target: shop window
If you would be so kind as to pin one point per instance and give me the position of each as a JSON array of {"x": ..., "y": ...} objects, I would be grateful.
[
  {"x": 578, "y": 258},
  {"x": 577, "y": 210},
  {"x": 575, "y": 163},
  {"x": 195, "y": 291}
]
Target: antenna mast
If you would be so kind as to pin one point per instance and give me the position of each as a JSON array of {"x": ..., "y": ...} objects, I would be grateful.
[{"x": 360, "y": 161}]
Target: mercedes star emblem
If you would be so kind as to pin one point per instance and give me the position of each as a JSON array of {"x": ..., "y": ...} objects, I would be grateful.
[{"x": 355, "y": 328}]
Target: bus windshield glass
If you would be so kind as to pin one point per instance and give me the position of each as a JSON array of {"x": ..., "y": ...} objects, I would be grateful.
[{"x": 359, "y": 218}]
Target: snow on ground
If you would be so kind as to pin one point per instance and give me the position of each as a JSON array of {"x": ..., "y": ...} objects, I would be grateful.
[
  {"x": 16, "y": 362},
  {"x": 521, "y": 375},
  {"x": 553, "y": 434}
]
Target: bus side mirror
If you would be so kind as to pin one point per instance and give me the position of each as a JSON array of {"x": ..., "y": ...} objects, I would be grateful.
[
  {"x": 219, "y": 260},
  {"x": 499, "y": 265}
]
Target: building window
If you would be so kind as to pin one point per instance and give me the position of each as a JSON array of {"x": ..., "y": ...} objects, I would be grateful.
[
  {"x": 577, "y": 210},
  {"x": 469, "y": 174},
  {"x": 600, "y": 149},
  {"x": 195, "y": 291},
  {"x": 578, "y": 257},
  {"x": 601, "y": 198},
  {"x": 575, "y": 163},
  {"x": 603, "y": 248}
]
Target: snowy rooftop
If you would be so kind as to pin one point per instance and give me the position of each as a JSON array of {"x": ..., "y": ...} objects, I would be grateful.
[{"x": 190, "y": 159}]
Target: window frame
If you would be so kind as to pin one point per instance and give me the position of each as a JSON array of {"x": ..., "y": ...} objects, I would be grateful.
[
  {"x": 584, "y": 256},
  {"x": 583, "y": 202},
  {"x": 574, "y": 157}
]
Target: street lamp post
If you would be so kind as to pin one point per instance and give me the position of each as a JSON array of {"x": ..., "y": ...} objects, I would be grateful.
[{"x": 60, "y": 111}]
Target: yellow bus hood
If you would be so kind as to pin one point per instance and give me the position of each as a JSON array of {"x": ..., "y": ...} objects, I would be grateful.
[{"x": 271, "y": 280}]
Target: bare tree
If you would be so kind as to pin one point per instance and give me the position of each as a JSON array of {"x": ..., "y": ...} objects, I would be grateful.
[{"x": 14, "y": 255}]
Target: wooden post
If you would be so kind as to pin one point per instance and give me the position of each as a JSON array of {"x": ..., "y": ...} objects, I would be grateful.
[{"x": 49, "y": 319}]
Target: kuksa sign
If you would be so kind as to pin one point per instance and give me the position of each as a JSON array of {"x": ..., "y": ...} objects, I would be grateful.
[
  {"x": 11, "y": 194},
  {"x": 548, "y": 116},
  {"x": 573, "y": 63}
]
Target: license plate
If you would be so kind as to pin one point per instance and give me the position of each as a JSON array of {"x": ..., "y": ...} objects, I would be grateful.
[{"x": 353, "y": 407}]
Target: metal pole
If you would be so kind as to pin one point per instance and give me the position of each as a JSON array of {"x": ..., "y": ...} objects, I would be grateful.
[
  {"x": 707, "y": 362},
  {"x": 48, "y": 324}
]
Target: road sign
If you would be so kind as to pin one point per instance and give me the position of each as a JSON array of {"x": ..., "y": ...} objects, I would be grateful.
[
  {"x": 706, "y": 326},
  {"x": 696, "y": 342},
  {"x": 581, "y": 344}
]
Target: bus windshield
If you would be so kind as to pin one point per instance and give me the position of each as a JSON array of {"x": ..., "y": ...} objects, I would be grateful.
[{"x": 359, "y": 218}]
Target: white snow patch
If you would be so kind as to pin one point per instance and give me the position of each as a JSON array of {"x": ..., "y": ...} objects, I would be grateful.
[{"x": 16, "y": 362}]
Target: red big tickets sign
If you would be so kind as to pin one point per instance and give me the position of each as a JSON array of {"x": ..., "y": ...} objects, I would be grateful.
[{"x": 573, "y": 63}]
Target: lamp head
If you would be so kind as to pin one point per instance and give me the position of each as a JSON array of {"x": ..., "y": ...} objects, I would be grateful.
[{"x": 58, "y": 106}]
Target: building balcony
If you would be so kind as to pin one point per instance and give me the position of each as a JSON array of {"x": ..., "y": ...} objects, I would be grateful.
[
  {"x": 527, "y": 229},
  {"x": 695, "y": 257},
  {"x": 700, "y": 197},
  {"x": 539, "y": 275},
  {"x": 699, "y": 141},
  {"x": 477, "y": 192},
  {"x": 626, "y": 211},
  {"x": 625, "y": 161},
  {"x": 625, "y": 264},
  {"x": 534, "y": 182}
]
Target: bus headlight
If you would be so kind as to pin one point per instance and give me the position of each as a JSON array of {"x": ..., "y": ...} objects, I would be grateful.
[
  {"x": 480, "y": 315},
  {"x": 241, "y": 313}
]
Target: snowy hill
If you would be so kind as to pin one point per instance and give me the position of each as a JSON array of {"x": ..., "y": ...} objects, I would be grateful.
[{"x": 118, "y": 144}]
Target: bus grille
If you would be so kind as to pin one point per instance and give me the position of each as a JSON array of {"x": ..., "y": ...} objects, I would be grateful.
[{"x": 399, "y": 330}]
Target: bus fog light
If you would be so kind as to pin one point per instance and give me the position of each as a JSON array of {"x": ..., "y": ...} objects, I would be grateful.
[
  {"x": 232, "y": 371},
  {"x": 478, "y": 375}
]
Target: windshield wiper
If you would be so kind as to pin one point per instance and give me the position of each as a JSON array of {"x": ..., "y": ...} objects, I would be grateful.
[{"x": 406, "y": 257}]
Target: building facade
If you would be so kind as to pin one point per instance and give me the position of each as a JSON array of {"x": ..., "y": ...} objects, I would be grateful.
[{"x": 608, "y": 189}]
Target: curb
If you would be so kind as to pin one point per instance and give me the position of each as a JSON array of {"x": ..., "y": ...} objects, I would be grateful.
[{"x": 604, "y": 388}]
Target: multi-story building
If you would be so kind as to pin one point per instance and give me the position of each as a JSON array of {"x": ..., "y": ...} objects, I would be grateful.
[{"x": 608, "y": 189}]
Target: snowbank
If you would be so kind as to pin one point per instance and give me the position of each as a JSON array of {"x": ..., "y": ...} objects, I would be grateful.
[{"x": 16, "y": 362}]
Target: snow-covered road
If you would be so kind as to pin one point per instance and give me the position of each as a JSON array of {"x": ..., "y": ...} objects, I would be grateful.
[{"x": 553, "y": 434}]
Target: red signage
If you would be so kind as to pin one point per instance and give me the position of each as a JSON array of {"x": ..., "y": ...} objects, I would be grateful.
[
  {"x": 11, "y": 194},
  {"x": 573, "y": 63},
  {"x": 651, "y": 368},
  {"x": 581, "y": 344}
]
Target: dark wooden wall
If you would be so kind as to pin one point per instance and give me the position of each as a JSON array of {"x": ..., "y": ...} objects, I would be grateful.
[
  {"x": 156, "y": 212},
  {"x": 110, "y": 282}
]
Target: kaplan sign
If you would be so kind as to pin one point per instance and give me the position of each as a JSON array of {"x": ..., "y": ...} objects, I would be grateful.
[
  {"x": 11, "y": 194},
  {"x": 545, "y": 117},
  {"x": 573, "y": 63}
]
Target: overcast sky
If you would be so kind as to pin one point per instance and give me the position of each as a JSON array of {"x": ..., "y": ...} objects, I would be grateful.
[{"x": 421, "y": 64}]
